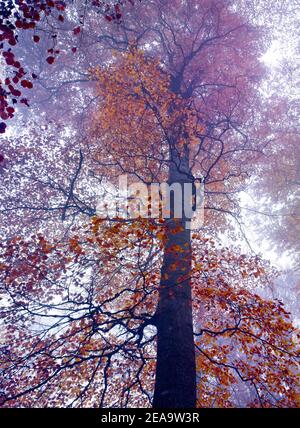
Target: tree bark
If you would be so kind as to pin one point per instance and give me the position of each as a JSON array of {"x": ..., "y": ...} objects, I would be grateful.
[{"x": 175, "y": 385}]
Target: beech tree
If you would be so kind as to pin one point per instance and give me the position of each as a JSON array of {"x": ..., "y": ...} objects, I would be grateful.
[{"x": 143, "y": 311}]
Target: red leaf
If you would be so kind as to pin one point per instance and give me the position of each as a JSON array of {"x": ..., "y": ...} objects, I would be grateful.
[
  {"x": 24, "y": 101},
  {"x": 60, "y": 6},
  {"x": 9, "y": 61},
  {"x": 50, "y": 59},
  {"x": 12, "y": 42},
  {"x": 19, "y": 24},
  {"x": 26, "y": 84},
  {"x": 36, "y": 39}
]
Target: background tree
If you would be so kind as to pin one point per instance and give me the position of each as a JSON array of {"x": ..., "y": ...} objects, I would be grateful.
[{"x": 42, "y": 16}]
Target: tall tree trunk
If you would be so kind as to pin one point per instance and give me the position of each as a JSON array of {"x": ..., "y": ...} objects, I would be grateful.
[{"x": 175, "y": 385}]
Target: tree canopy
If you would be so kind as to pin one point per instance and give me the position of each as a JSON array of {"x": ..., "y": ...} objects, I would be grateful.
[{"x": 143, "y": 309}]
